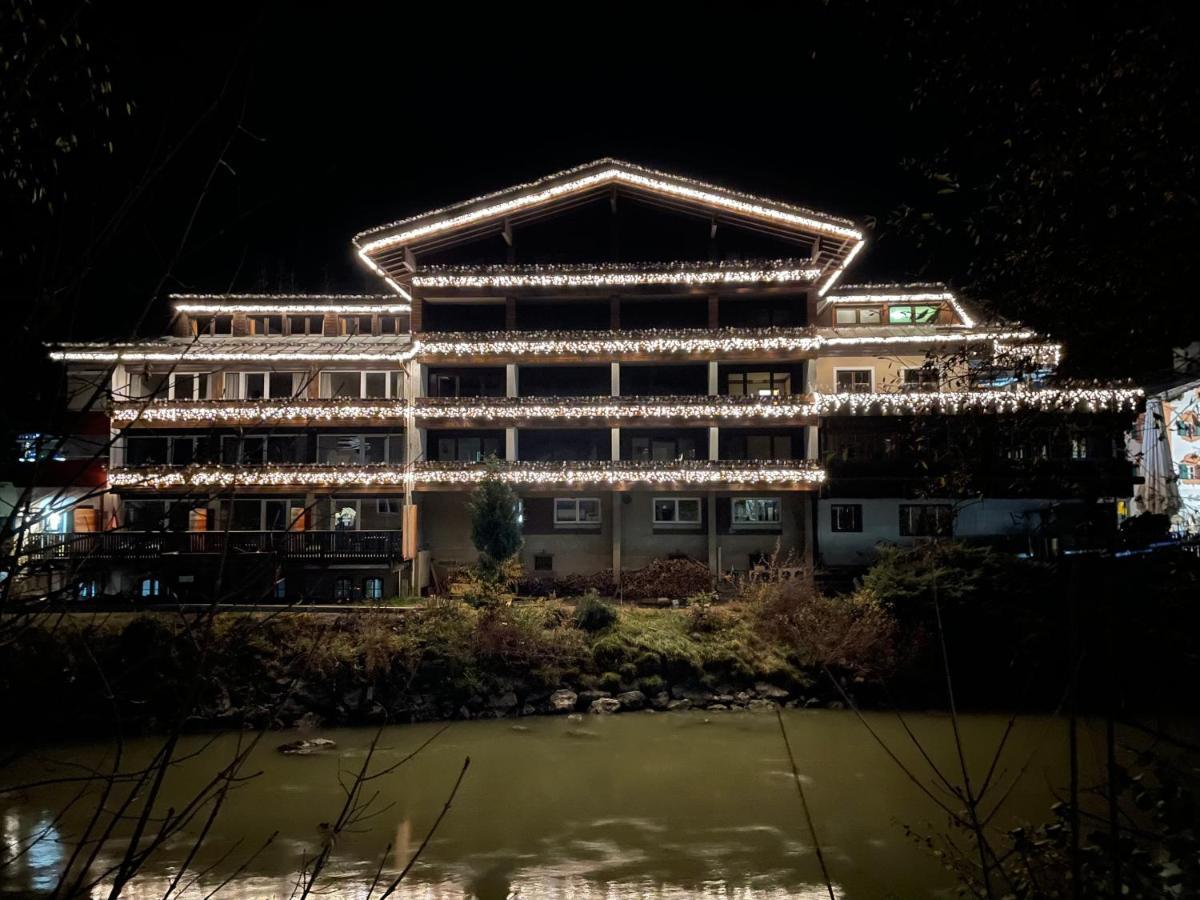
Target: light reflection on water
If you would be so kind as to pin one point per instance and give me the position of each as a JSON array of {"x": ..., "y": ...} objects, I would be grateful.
[{"x": 659, "y": 806}]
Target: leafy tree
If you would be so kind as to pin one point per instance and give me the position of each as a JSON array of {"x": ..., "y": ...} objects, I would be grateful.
[
  {"x": 1057, "y": 158},
  {"x": 495, "y": 531}
]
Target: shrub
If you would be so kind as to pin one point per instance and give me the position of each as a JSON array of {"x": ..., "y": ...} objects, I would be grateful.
[
  {"x": 855, "y": 634},
  {"x": 593, "y": 614},
  {"x": 609, "y": 681}
]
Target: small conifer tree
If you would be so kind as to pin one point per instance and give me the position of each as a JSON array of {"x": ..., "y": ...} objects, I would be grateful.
[{"x": 495, "y": 531}]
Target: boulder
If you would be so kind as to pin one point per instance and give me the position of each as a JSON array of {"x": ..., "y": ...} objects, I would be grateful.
[
  {"x": 308, "y": 722},
  {"x": 587, "y": 698},
  {"x": 716, "y": 706},
  {"x": 770, "y": 691},
  {"x": 562, "y": 701},
  {"x": 529, "y": 710},
  {"x": 660, "y": 700},
  {"x": 741, "y": 697},
  {"x": 632, "y": 700},
  {"x": 679, "y": 704},
  {"x": 760, "y": 703},
  {"x": 306, "y": 746},
  {"x": 504, "y": 701},
  {"x": 680, "y": 692},
  {"x": 604, "y": 705}
]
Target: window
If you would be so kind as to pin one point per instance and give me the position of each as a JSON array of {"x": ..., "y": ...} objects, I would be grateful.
[
  {"x": 355, "y": 385},
  {"x": 263, "y": 385},
  {"x": 373, "y": 588},
  {"x": 543, "y": 562},
  {"x": 912, "y": 315},
  {"x": 680, "y": 512},
  {"x": 314, "y": 325},
  {"x": 664, "y": 449},
  {"x": 354, "y": 325},
  {"x": 346, "y": 449},
  {"x": 757, "y": 512},
  {"x": 264, "y": 325},
  {"x": 389, "y": 506},
  {"x": 281, "y": 589},
  {"x": 854, "y": 381},
  {"x": 87, "y": 590},
  {"x": 252, "y": 450},
  {"x": 212, "y": 325},
  {"x": 768, "y": 446},
  {"x": 392, "y": 325},
  {"x": 759, "y": 384},
  {"x": 150, "y": 587},
  {"x": 343, "y": 589},
  {"x": 857, "y": 315},
  {"x": 189, "y": 386},
  {"x": 922, "y": 381},
  {"x": 576, "y": 512},
  {"x": 467, "y": 449},
  {"x": 845, "y": 517},
  {"x": 147, "y": 385},
  {"x": 926, "y": 520}
]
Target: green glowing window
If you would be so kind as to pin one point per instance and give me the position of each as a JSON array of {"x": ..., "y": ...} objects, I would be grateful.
[{"x": 912, "y": 315}]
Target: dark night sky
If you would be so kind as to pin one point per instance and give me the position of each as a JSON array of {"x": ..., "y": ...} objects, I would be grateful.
[{"x": 355, "y": 118}]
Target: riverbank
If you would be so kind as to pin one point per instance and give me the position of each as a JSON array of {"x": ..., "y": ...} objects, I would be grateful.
[{"x": 295, "y": 669}]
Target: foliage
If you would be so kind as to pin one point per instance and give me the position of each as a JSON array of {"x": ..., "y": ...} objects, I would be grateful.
[
  {"x": 495, "y": 531},
  {"x": 1158, "y": 850},
  {"x": 1095, "y": 143},
  {"x": 856, "y": 634},
  {"x": 593, "y": 614},
  {"x": 487, "y": 584}
]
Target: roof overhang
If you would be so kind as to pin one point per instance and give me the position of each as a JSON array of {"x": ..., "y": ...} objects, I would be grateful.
[
  {"x": 391, "y": 250},
  {"x": 287, "y": 304}
]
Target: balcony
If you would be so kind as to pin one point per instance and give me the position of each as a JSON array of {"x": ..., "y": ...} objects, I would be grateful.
[
  {"x": 436, "y": 476},
  {"x": 297, "y": 411},
  {"x": 318, "y": 546}
]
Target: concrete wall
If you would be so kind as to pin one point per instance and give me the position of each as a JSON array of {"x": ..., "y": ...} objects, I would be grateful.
[
  {"x": 881, "y": 524},
  {"x": 445, "y": 531}
]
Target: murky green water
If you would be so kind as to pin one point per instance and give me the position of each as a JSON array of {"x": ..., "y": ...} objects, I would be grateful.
[{"x": 633, "y": 805}]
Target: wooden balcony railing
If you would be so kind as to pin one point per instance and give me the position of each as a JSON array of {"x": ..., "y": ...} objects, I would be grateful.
[{"x": 144, "y": 545}]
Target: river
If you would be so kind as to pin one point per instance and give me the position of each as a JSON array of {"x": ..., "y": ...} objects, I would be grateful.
[{"x": 658, "y": 805}]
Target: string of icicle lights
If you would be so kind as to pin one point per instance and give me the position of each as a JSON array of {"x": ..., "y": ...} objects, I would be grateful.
[
  {"x": 694, "y": 342},
  {"x": 604, "y": 276},
  {"x": 456, "y": 474},
  {"x": 504, "y": 410},
  {"x": 292, "y": 309}
]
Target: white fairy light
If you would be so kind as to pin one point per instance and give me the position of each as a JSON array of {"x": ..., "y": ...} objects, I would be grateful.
[
  {"x": 1046, "y": 354},
  {"x": 438, "y": 474},
  {"x": 503, "y": 410},
  {"x": 841, "y": 269},
  {"x": 612, "y": 172},
  {"x": 581, "y": 344},
  {"x": 1092, "y": 399},
  {"x": 264, "y": 308},
  {"x": 774, "y": 272}
]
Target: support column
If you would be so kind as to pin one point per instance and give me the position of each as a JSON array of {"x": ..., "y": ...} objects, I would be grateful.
[
  {"x": 713, "y": 555},
  {"x": 511, "y": 389},
  {"x": 617, "y": 510}
]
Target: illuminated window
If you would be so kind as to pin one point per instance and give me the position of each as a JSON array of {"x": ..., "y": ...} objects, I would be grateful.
[
  {"x": 373, "y": 588},
  {"x": 912, "y": 315},
  {"x": 150, "y": 587},
  {"x": 759, "y": 384},
  {"x": 757, "y": 512}
]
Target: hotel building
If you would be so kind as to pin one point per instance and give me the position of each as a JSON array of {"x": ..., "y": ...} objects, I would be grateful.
[{"x": 661, "y": 367}]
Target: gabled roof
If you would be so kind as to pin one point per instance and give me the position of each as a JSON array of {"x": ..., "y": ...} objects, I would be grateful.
[{"x": 391, "y": 250}]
